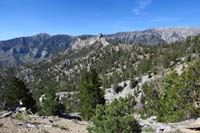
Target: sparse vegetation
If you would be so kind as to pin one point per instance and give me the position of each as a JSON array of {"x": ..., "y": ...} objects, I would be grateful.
[
  {"x": 149, "y": 130},
  {"x": 19, "y": 116}
]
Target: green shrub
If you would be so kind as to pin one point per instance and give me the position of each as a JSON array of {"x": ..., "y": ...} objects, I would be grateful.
[
  {"x": 19, "y": 116},
  {"x": 149, "y": 129},
  {"x": 50, "y": 104},
  {"x": 116, "y": 117}
]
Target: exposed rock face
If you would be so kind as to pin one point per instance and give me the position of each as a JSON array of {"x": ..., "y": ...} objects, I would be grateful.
[
  {"x": 42, "y": 46},
  {"x": 79, "y": 43},
  {"x": 176, "y": 34},
  {"x": 153, "y": 36},
  {"x": 111, "y": 95}
]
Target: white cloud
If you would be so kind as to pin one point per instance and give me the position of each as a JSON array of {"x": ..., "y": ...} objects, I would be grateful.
[{"x": 140, "y": 7}]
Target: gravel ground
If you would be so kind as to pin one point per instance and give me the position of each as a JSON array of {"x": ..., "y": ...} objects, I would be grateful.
[{"x": 35, "y": 124}]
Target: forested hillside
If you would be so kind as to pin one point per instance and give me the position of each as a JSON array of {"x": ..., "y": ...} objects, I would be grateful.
[{"x": 162, "y": 80}]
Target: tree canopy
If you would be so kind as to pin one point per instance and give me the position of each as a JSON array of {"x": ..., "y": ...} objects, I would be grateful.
[
  {"x": 18, "y": 92},
  {"x": 90, "y": 94}
]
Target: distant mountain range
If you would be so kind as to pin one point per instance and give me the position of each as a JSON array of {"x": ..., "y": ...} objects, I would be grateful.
[{"x": 41, "y": 46}]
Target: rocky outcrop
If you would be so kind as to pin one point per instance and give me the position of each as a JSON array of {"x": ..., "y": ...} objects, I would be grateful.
[
  {"x": 150, "y": 125},
  {"x": 127, "y": 90},
  {"x": 80, "y": 43}
]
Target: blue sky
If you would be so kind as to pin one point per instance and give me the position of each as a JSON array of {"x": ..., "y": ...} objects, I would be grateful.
[{"x": 75, "y": 17}]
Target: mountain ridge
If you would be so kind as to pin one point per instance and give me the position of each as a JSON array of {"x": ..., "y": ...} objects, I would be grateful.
[{"x": 41, "y": 46}]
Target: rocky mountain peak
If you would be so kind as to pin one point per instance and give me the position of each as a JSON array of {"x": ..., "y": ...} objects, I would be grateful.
[
  {"x": 42, "y": 35},
  {"x": 100, "y": 35}
]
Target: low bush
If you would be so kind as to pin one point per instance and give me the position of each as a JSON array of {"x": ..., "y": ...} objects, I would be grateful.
[{"x": 116, "y": 117}]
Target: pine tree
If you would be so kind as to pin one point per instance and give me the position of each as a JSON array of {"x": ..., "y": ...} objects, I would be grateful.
[
  {"x": 50, "y": 104},
  {"x": 16, "y": 92},
  {"x": 90, "y": 94},
  {"x": 116, "y": 117}
]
